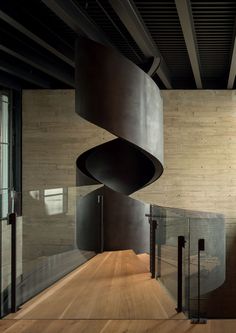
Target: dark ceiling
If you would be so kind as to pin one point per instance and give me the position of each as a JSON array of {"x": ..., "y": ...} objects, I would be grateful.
[{"x": 191, "y": 44}]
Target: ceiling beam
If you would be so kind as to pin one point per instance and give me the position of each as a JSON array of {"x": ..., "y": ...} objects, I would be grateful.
[
  {"x": 187, "y": 24},
  {"x": 23, "y": 74},
  {"x": 154, "y": 67},
  {"x": 21, "y": 51},
  {"x": 232, "y": 71},
  {"x": 7, "y": 81},
  {"x": 9, "y": 20},
  {"x": 139, "y": 58},
  {"x": 77, "y": 20},
  {"x": 129, "y": 15},
  {"x": 38, "y": 63}
]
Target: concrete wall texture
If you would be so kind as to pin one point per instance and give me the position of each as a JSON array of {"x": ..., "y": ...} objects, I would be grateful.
[
  {"x": 53, "y": 137},
  {"x": 200, "y": 160},
  {"x": 199, "y": 137}
]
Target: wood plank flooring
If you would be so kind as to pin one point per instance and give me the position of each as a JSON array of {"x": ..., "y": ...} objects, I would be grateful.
[
  {"x": 112, "y": 285},
  {"x": 115, "y": 326}
]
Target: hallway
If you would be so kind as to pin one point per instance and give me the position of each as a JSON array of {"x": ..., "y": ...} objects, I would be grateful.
[
  {"x": 113, "y": 292},
  {"x": 112, "y": 285}
]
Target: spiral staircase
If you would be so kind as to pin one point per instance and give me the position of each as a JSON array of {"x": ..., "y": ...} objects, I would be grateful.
[{"x": 116, "y": 95}]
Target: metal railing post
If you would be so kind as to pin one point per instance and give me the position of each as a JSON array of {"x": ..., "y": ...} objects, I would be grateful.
[
  {"x": 199, "y": 320},
  {"x": 158, "y": 260},
  {"x": 12, "y": 222},
  {"x": 153, "y": 226},
  {"x": 181, "y": 245},
  {"x": 100, "y": 201}
]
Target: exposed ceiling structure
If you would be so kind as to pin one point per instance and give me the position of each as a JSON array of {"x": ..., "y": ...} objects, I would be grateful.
[{"x": 182, "y": 44}]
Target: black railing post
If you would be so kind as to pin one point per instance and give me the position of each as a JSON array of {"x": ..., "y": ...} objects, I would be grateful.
[
  {"x": 201, "y": 247},
  {"x": 158, "y": 260},
  {"x": 199, "y": 320},
  {"x": 12, "y": 222},
  {"x": 153, "y": 226},
  {"x": 181, "y": 245},
  {"x": 150, "y": 225},
  {"x": 101, "y": 236}
]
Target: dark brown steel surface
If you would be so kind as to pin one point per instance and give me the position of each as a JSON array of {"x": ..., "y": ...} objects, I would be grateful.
[
  {"x": 113, "y": 93},
  {"x": 127, "y": 104}
]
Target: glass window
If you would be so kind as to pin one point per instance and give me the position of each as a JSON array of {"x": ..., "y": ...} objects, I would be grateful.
[
  {"x": 4, "y": 119},
  {"x": 4, "y": 155}
]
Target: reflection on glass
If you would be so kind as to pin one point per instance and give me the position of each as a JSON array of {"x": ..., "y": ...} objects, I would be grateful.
[
  {"x": 54, "y": 204},
  {"x": 54, "y": 201},
  {"x": 53, "y": 191},
  {"x": 35, "y": 195}
]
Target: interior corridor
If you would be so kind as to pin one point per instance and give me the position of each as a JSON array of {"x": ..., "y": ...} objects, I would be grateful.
[
  {"x": 112, "y": 285},
  {"x": 112, "y": 292}
]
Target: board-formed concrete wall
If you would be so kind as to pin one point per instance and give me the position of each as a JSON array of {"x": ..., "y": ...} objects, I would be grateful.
[
  {"x": 200, "y": 145},
  {"x": 53, "y": 137}
]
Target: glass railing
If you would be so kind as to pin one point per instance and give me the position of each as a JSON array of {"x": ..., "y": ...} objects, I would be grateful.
[
  {"x": 203, "y": 272},
  {"x": 51, "y": 243},
  {"x": 48, "y": 240},
  {"x": 207, "y": 264},
  {"x": 168, "y": 232},
  {"x": 6, "y": 207}
]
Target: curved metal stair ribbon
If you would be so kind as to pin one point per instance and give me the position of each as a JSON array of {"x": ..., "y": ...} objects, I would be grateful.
[{"x": 115, "y": 94}]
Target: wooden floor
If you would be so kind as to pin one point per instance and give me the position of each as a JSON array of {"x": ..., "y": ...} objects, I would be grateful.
[
  {"x": 115, "y": 286},
  {"x": 112, "y": 285},
  {"x": 115, "y": 326}
]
